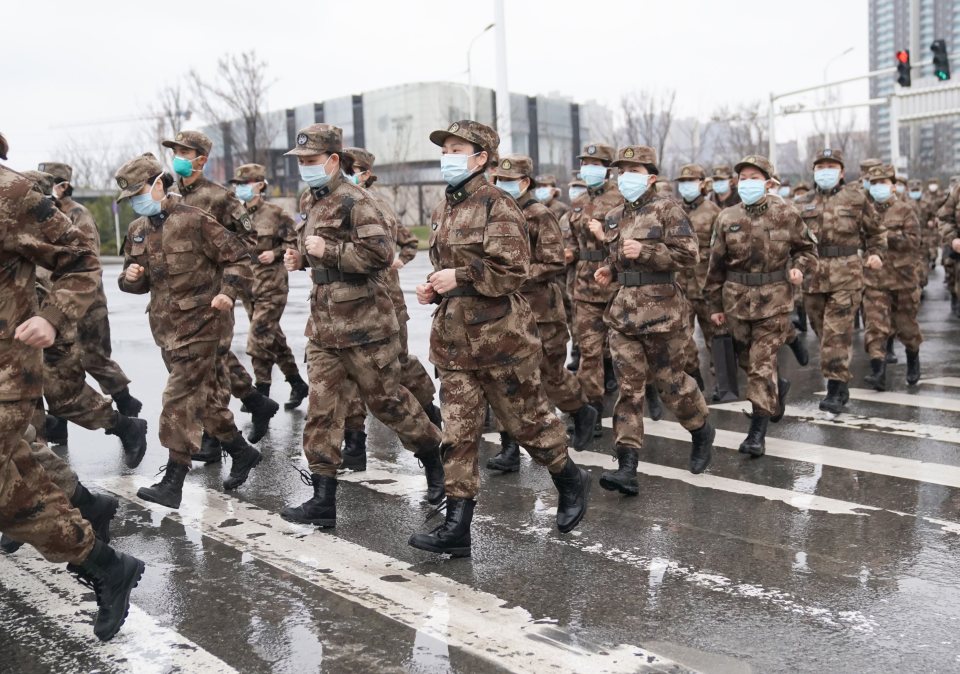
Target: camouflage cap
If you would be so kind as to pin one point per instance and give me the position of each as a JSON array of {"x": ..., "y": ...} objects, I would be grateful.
[
  {"x": 722, "y": 172},
  {"x": 192, "y": 140},
  {"x": 4, "y": 148},
  {"x": 691, "y": 172},
  {"x": 472, "y": 132},
  {"x": 829, "y": 154},
  {"x": 249, "y": 173},
  {"x": 637, "y": 155},
  {"x": 757, "y": 161},
  {"x": 954, "y": 179},
  {"x": 43, "y": 180},
  {"x": 514, "y": 167},
  {"x": 545, "y": 180},
  {"x": 915, "y": 184},
  {"x": 901, "y": 179},
  {"x": 318, "y": 139},
  {"x": 933, "y": 181},
  {"x": 601, "y": 151},
  {"x": 880, "y": 172},
  {"x": 362, "y": 159},
  {"x": 868, "y": 164},
  {"x": 62, "y": 172},
  {"x": 801, "y": 187},
  {"x": 132, "y": 176}
]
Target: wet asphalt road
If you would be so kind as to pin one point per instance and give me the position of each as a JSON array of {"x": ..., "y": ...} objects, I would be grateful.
[{"x": 836, "y": 552}]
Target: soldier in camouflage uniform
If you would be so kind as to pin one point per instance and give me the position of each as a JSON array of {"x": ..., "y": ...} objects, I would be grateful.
[
  {"x": 575, "y": 189},
  {"x": 760, "y": 252},
  {"x": 548, "y": 194},
  {"x": 650, "y": 240},
  {"x": 353, "y": 333},
  {"x": 412, "y": 373},
  {"x": 484, "y": 339},
  {"x": 892, "y": 295},
  {"x": 724, "y": 192},
  {"x": 93, "y": 330},
  {"x": 32, "y": 508},
  {"x": 191, "y": 149},
  {"x": 947, "y": 216},
  {"x": 542, "y": 291},
  {"x": 266, "y": 343},
  {"x": 194, "y": 270},
  {"x": 842, "y": 221}
]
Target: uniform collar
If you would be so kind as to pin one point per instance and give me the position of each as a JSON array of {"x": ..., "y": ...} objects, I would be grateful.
[
  {"x": 758, "y": 208},
  {"x": 320, "y": 192},
  {"x": 829, "y": 193},
  {"x": 457, "y": 193},
  {"x": 526, "y": 200},
  {"x": 882, "y": 205},
  {"x": 692, "y": 205},
  {"x": 192, "y": 187},
  {"x": 600, "y": 189},
  {"x": 645, "y": 199},
  {"x": 167, "y": 204}
]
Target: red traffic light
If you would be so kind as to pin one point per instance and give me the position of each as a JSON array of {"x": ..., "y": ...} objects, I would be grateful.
[{"x": 903, "y": 56}]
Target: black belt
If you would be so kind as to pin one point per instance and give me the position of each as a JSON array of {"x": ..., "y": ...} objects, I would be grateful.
[
  {"x": 645, "y": 278},
  {"x": 326, "y": 276},
  {"x": 462, "y": 291},
  {"x": 756, "y": 278},
  {"x": 592, "y": 255},
  {"x": 837, "y": 251}
]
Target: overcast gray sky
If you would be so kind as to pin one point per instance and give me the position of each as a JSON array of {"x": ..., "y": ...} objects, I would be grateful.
[{"x": 68, "y": 62}]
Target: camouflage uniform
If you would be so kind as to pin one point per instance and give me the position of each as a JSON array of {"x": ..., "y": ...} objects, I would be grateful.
[
  {"x": 892, "y": 295},
  {"x": 352, "y": 330},
  {"x": 732, "y": 198},
  {"x": 590, "y": 300},
  {"x": 752, "y": 252},
  {"x": 32, "y": 508},
  {"x": 554, "y": 204},
  {"x": 188, "y": 259},
  {"x": 842, "y": 221},
  {"x": 947, "y": 216}
]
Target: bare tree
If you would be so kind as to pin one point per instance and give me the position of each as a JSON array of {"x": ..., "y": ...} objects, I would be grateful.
[
  {"x": 647, "y": 118},
  {"x": 740, "y": 131},
  {"x": 94, "y": 165},
  {"x": 237, "y": 93}
]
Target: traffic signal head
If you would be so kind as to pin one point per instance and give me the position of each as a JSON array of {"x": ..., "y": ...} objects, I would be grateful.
[
  {"x": 941, "y": 62},
  {"x": 903, "y": 67}
]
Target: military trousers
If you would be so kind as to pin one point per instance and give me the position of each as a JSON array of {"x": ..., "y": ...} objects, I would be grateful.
[
  {"x": 757, "y": 344},
  {"x": 67, "y": 392},
  {"x": 700, "y": 311},
  {"x": 656, "y": 358},
  {"x": 831, "y": 316},
  {"x": 96, "y": 350},
  {"x": 591, "y": 333},
  {"x": 888, "y": 313},
  {"x": 560, "y": 384},
  {"x": 266, "y": 344},
  {"x": 374, "y": 369},
  {"x": 516, "y": 396},
  {"x": 33, "y": 509}
]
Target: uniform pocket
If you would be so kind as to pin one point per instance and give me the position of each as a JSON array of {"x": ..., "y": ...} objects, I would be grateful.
[
  {"x": 350, "y": 293},
  {"x": 485, "y": 310}
]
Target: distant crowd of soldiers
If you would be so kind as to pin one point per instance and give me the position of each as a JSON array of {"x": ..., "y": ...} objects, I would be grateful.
[{"x": 618, "y": 277}]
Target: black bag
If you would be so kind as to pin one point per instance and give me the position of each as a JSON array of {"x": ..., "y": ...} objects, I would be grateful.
[{"x": 725, "y": 366}]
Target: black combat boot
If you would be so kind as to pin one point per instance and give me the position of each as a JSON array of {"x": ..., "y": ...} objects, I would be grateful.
[
  {"x": 262, "y": 410},
  {"x": 169, "y": 490},
  {"x": 263, "y": 387},
  {"x": 507, "y": 459},
  {"x": 55, "y": 430},
  {"x": 598, "y": 424},
  {"x": 573, "y": 487},
  {"x": 453, "y": 536},
  {"x": 609, "y": 376},
  {"x": 133, "y": 436},
  {"x": 584, "y": 420},
  {"x": 697, "y": 377},
  {"x": 701, "y": 448},
  {"x": 354, "y": 454},
  {"x": 126, "y": 404},
  {"x": 321, "y": 510},
  {"x": 98, "y": 509},
  {"x": 913, "y": 367},
  {"x": 654, "y": 404},
  {"x": 624, "y": 478},
  {"x": 755, "y": 443},
  {"x": 891, "y": 355},
  {"x": 834, "y": 402},
  {"x": 432, "y": 462},
  {"x": 799, "y": 351},
  {"x": 299, "y": 390},
  {"x": 954, "y": 303},
  {"x": 878, "y": 374},
  {"x": 574, "y": 363},
  {"x": 783, "y": 387},
  {"x": 434, "y": 415},
  {"x": 210, "y": 450},
  {"x": 112, "y": 575},
  {"x": 800, "y": 322},
  {"x": 244, "y": 458}
]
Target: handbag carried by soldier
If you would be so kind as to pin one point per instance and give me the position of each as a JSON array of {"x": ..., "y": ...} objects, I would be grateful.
[{"x": 725, "y": 365}]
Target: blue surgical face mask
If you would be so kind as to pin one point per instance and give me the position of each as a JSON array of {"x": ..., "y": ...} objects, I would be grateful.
[
  {"x": 511, "y": 187},
  {"x": 721, "y": 186},
  {"x": 315, "y": 176},
  {"x": 245, "y": 192},
  {"x": 454, "y": 167},
  {"x": 866, "y": 184},
  {"x": 826, "y": 178},
  {"x": 784, "y": 191},
  {"x": 689, "y": 189},
  {"x": 881, "y": 192},
  {"x": 543, "y": 194},
  {"x": 144, "y": 204},
  {"x": 593, "y": 175},
  {"x": 576, "y": 192},
  {"x": 632, "y": 185},
  {"x": 183, "y": 167},
  {"x": 901, "y": 188},
  {"x": 751, "y": 191},
  {"x": 916, "y": 194}
]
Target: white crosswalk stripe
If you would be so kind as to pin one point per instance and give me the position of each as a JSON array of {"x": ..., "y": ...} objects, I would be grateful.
[
  {"x": 950, "y": 382},
  {"x": 903, "y": 399}
]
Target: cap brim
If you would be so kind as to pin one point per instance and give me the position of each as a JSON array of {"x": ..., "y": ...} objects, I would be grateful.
[
  {"x": 823, "y": 159},
  {"x": 498, "y": 173},
  {"x": 632, "y": 162},
  {"x": 129, "y": 192},
  {"x": 174, "y": 144},
  {"x": 682, "y": 178},
  {"x": 305, "y": 152},
  {"x": 593, "y": 156}
]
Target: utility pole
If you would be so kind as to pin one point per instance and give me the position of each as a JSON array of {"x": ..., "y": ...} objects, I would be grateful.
[{"x": 504, "y": 121}]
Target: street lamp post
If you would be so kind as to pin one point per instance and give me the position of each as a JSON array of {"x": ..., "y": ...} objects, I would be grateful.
[{"x": 470, "y": 92}]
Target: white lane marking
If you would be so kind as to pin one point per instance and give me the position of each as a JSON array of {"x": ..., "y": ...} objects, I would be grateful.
[
  {"x": 950, "y": 382},
  {"x": 142, "y": 646},
  {"x": 478, "y": 623},
  {"x": 903, "y": 399}
]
